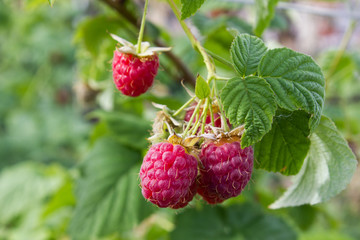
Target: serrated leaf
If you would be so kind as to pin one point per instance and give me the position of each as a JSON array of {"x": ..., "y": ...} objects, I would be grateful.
[
  {"x": 285, "y": 147},
  {"x": 108, "y": 195},
  {"x": 265, "y": 10},
  {"x": 296, "y": 80},
  {"x": 249, "y": 101},
  {"x": 327, "y": 169},
  {"x": 246, "y": 52},
  {"x": 189, "y": 7},
  {"x": 202, "y": 89}
]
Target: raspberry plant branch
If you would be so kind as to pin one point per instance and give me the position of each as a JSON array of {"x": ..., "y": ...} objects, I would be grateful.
[
  {"x": 195, "y": 43},
  {"x": 142, "y": 27}
]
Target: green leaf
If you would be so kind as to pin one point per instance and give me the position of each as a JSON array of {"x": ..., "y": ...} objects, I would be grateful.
[
  {"x": 204, "y": 224},
  {"x": 296, "y": 80},
  {"x": 128, "y": 129},
  {"x": 327, "y": 169},
  {"x": 202, "y": 89},
  {"x": 265, "y": 10},
  {"x": 249, "y": 101},
  {"x": 253, "y": 224},
  {"x": 108, "y": 195},
  {"x": 246, "y": 52},
  {"x": 245, "y": 221},
  {"x": 189, "y": 7},
  {"x": 26, "y": 181},
  {"x": 285, "y": 147}
]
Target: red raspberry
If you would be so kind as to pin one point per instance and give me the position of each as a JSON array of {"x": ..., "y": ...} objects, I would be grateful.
[
  {"x": 188, "y": 197},
  {"x": 134, "y": 75},
  {"x": 167, "y": 174},
  {"x": 226, "y": 171}
]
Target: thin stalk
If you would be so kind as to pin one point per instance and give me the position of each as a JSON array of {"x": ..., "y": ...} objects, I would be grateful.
[
  {"x": 184, "y": 106},
  {"x": 212, "y": 114},
  {"x": 224, "y": 124},
  {"x": 205, "y": 110},
  {"x": 142, "y": 27},
  {"x": 192, "y": 117},
  {"x": 343, "y": 45},
  {"x": 195, "y": 43}
]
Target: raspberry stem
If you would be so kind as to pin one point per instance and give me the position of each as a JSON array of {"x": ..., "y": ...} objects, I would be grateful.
[
  {"x": 184, "y": 106},
  {"x": 192, "y": 117},
  {"x": 195, "y": 43},
  {"x": 142, "y": 27}
]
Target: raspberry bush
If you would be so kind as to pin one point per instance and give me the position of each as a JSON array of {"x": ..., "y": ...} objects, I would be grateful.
[{"x": 190, "y": 120}]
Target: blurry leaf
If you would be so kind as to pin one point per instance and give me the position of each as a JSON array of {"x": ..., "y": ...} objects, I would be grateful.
[
  {"x": 296, "y": 80},
  {"x": 265, "y": 10},
  {"x": 245, "y": 221},
  {"x": 285, "y": 147},
  {"x": 249, "y": 101},
  {"x": 128, "y": 129},
  {"x": 303, "y": 215},
  {"x": 325, "y": 235},
  {"x": 202, "y": 89},
  {"x": 204, "y": 224},
  {"x": 63, "y": 197},
  {"x": 93, "y": 31},
  {"x": 246, "y": 52},
  {"x": 51, "y": 2},
  {"x": 339, "y": 73},
  {"x": 254, "y": 224},
  {"x": 108, "y": 194},
  {"x": 24, "y": 186},
  {"x": 327, "y": 169},
  {"x": 189, "y": 7}
]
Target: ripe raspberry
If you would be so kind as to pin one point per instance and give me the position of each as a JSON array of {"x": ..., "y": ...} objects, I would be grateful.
[
  {"x": 167, "y": 174},
  {"x": 226, "y": 170},
  {"x": 134, "y": 75},
  {"x": 188, "y": 197}
]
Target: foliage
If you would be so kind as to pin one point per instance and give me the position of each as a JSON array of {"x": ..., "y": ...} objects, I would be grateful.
[{"x": 69, "y": 160}]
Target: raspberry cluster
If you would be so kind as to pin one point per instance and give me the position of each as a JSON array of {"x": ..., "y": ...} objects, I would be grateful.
[{"x": 171, "y": 177}]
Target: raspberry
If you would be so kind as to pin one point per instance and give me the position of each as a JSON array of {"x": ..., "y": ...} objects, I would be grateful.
[
  {"x": 167, "y": 175},
  {"x": 226, "y": 171},
  {"x": 188, "y": 197},
  {"x": 134, "y": 75}
]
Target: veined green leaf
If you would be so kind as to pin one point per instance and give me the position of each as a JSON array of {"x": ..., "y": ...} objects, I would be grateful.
[
  {"x": 296, "y": 80},
  {"x": 285, "y": 147},
  {"x": 249, "y": 101},
  {"x": 202, "y": 89},
  {"x": 108, "y": 195},
  {"x": 189, "y": 7},
  {"x": 327, "y": 169},
  {"x": 246, "y": 52},
  {"x": 265, "y": 10}
]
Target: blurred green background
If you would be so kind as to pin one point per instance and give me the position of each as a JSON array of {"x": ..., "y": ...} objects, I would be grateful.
[{"x": 63, "y": 125}]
